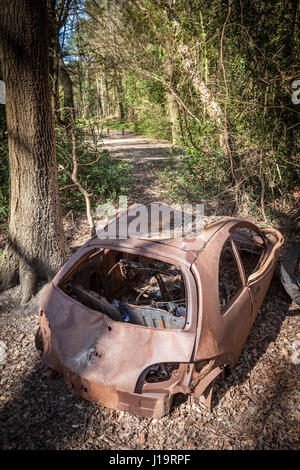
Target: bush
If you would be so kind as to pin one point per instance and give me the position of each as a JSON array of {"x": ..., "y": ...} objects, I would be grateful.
[
  {"x": 103, "y": 177},
  {"x": 195, "y": 177},
  {"x": 203, "y": 171},
  {"x": 153, "y": 125}
]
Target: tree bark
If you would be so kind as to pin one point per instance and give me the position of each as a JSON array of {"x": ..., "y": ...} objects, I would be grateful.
[
  {"x": 36, "y": 247},
  {"x": 120, "y": 97},
  {"x": 103, "y": 105},
  {"x": 53, "y": 52},
  {"x": 99, "y": 105},
  {"x": 210, "y": 105},
  {"x": 172, "y": 103},
  {"x": 108, "y": 104},
  {"x": 57, "y": 18},
  {"x": 67, "y": 85}
]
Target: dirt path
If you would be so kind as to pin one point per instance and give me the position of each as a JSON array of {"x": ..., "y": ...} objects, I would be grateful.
[
  {"x": 144, "y": 154},
  {"x": 256, "y": 407},
  {"x": 131, "y": 145}
]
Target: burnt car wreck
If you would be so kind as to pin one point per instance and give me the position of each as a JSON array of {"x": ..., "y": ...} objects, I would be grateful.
[{"x": 130, "y": 322}]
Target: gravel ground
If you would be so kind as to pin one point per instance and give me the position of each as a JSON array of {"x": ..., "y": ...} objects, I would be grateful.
[{"x": 255, "y": 407}]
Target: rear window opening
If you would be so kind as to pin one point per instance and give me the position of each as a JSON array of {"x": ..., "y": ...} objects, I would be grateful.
[{"x": 129, "y": 288}]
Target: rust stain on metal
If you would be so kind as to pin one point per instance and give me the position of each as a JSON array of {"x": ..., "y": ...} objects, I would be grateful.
[{"x": 131, "y": 322}]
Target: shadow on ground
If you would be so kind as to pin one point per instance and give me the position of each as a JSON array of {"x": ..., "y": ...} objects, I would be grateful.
[
  {"x": 266, "y": 328},
  {"x": 44, "y": 415}
]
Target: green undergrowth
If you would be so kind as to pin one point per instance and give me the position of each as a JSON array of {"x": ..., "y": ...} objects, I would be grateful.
[
  {"x": 149, "y": 125},
  {"x": 103, "y": 177}
]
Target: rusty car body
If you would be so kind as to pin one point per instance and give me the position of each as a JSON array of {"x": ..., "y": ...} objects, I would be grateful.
[{"x": 130, "y": 322}]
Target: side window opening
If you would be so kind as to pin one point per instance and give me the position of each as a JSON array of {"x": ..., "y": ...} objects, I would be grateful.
[
  {"x": 230, "y": 282},
  {"x": 251, "y": 248}
]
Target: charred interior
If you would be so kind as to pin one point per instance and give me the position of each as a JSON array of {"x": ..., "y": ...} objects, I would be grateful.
[{"x": 129, "y": 288}]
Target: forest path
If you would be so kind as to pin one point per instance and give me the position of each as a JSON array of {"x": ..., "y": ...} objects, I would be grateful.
[
  {"x": 145, "y": 155},
  {"x": 134, "y": 146}
]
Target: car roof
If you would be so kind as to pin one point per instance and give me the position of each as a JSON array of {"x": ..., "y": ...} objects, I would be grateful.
[{"x": 157, "y": 230}]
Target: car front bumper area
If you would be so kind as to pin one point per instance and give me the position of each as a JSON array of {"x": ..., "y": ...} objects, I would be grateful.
[{"x": 99, "y": 358}]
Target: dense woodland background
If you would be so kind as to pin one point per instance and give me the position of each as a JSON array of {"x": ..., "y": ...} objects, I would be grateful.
[{"x": 214, "y": 78}]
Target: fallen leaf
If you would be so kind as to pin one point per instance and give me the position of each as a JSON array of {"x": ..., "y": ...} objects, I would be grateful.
[
  {"x": 142, "y": 438},
  {"x": 291, "y": 383}
]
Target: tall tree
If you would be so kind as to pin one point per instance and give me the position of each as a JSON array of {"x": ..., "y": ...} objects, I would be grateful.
[{"x": 36, "y": 247}]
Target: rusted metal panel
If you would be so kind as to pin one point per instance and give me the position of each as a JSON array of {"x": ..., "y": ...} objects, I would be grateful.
[{"x": 135, "y": 356}]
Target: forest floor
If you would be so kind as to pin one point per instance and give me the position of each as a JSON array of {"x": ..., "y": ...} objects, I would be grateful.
[{"x": 255, "y": 407}]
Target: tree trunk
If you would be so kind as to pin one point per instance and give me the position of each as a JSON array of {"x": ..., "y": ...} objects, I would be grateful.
[
  {"x": 102, "y": 97},
  {"x": 80, "y": 88},
  {"x": 120, "y": 97},
  {"x": 172, "y": 103},
  {"x": 53, "y": 32},
  {"x": 71, "y": 130},
  {"x": 36, "y": 246},
  {"x": 210, "y": 105},
  {"x": 99, "y": 107},
  {"x": 67, "y": 85},
  {"x": 108, "y": 105}
]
